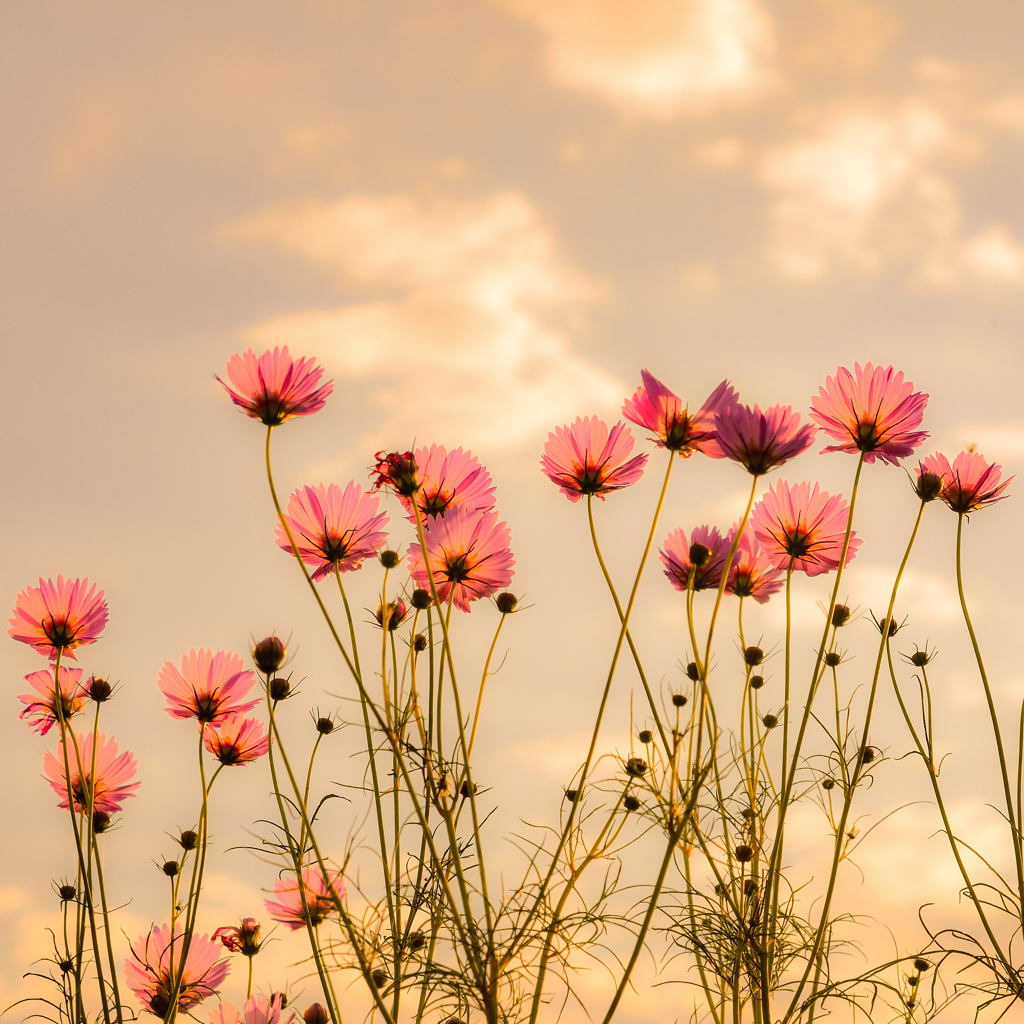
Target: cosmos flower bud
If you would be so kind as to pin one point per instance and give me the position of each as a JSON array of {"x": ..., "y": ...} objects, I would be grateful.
[
  {"x": 98, "y": 689},
  {"x": 391, "y": 614},
  {"x": 389, "y": 559},
  {"x": 571, "y": 795},
  {"x": 833, "y": 658},
  {"x": 868, "y": 755},
  {"x": 753, "y": 655},
  {"x": 840, "y": 615},
  {"x": 678, "y": 699},
  {"x": 645, "y": 736},
  {"x": 379, "y": 978},
  {"x": 920, "y": 658},
  {"x": 188, "y": 840},
  {"x": 636, "y": 767},
  {"x": 828, "y": 784},
  {"x": 699, "y": 554},
  {"x": 631, "y": 803},
  {"x": 316, "y": 1014},
  {"x": 921, "y": 965},
  {"x": 279, "y": 688},
  {"x": 749, "y": 887},
  {"x": 743, "y": 854},
  {"x": 466, "y": 789},
  {"x": 100, "y": 821},
  {"x": 770, "y": 721},
  {"x": 269, "y": 655},
  {"x": 692, "y": 671},
  {"x": 420, "y": 599},
  {"x": 928, "y": 485},
  {"x": 419, "y": 642},
  {"x": 67, "y": 892},
  {"x": 324, "y": 726},
  {"x": 67, "y": 966},
  {"x": 170, "y": 868},
  {"x": 506, "y": 602},
  {"x": 756, "y": 682},
  {"x": 417, "y": 940}
]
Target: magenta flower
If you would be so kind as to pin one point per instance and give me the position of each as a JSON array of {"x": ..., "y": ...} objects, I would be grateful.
[
  {"x": 760, "y": 441},
  {"x": 658, "y": 409},
  {"x": 43, "y": 714},
  {"x": 58, "y": 616},
  {"x": 585, "y": 458},
  {"x": 97, "y": 770},
  {"x": 257, "y": 1010},
  {"x": 872, "y": 410},
  {"x": 802, "y": 527},
  {"x": 243, "y": 938},
  {"x": 313, "y": 903},
  {"x": 469, "y": 556},
  {"x": 209, "y": 686},
  {"x": 704, "y": 556},
  {"x": 448, "y": 480},
  {"x": 970, "y": 483},
  {"x": 396, "y": 471},
  {"x": 148, "y": 970},
  {"x": 236, "y": 740},
  {"x": 334, "y": 530},
  {"x": 274, "y": 387},
  {"x": 752, "y": 573}
]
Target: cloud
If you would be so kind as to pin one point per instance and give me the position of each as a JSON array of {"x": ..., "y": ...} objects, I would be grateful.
[
  {"x": 862, "y": 189},
  {"x": 657, "y": 58},
  {"x": 471, "y": 336}
]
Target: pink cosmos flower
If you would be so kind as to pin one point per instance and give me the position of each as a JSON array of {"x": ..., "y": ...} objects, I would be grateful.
[
  {"x": 704, "y": 555},
  {"x": 274, "y": 387},
  {"x": 872, "y": 410},
  {"x": 236, "y": 740},
  {"x": 209, "y": 686},
  {"x": 585, "y": 458},
  {"x": 104, "y": 774},
  {"x": 658, "y": 409},
  {"x": 396, "y": 471},
  {"x": 805, "y": 527},
  {"x": 970, "y": 483},
  {"x": 58, "y": 616},
  {"x": 760, "y": 441},
  {"x": 243, "y": 938},
  {"x": 448, "y": 480},
  {"x": 257, "y": 1010},
  {"x": 752, "y": 573},
  {"x": 148, "y": 970},
  {"x": 469, "y": 556},
  {"x": 335, "y": 530},
  {"x": 42, "y": 714},
  {"x": 313, "y": 903}
]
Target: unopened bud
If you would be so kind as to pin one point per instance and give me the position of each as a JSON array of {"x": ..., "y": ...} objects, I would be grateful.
[
  {"x": 749, "y": 887},
  {"x": 188, "y": 840},
  {"x": 67, "y": 892},
  {"x": 571, "y": 795},
  {"x": 828, "y": 784},
  {"x": 753, "y": 655},
  {"x": 840, "y": 615},
  {"x": 699, "y": 555},
  {"x": 417, "y": 940},
  {"x": 279, "y": 688},
  {"x": 636, "y": 766},
  {"x": 506, "y": 602},
  {"x": 420, "y": 599},
  {"x": 324, "y": 726},
  {"x": 67, "y": 966},
  {"x": 100, "y": 821},
  {"x": 269, "y": 655},
  {"x": 466, "y": 788},
  {"x": 743, "y": 854},
  {"x": 170, "y": 868},
  {"x": 678, "y": 699},
  {"x": 756, "y": 682},
  {"x": 869, "y": 755},
  {"x": 920, "y": 658},
  {"x": 98, "y": 689},
  {"x": 379, "y": 978},
  {"x": 928, "y": 485},
  {"x": 692, "y": 671},
  {"x": 389, "y": 559},
  {"x": 631, "y": 803},
  {"x": 281, "y": 999},
  {"x": 921, "y": 965},
  {"x": 770, "y": 721},
  {"x": 419, "y": 642},
  {"x": 645, "y": 736}
]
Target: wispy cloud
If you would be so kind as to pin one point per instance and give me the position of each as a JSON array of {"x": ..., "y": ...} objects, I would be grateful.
[
  {"x": 656, "y": 58},
  {"x": 469, "y": 325}
]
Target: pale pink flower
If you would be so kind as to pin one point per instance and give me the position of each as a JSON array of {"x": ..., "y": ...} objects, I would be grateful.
[
  {"x": 703, "y": 556},
  {"x": 42, "y": 714},
  {"x": 209, "y": 686},
  {"x": 274, "y": 387},
  {"x": 752, "y": 573},
  {"x": 148, "y": 970},
  {"x": 676, "y": 428},
  {"x": 872, "y": 410},
  {"x": 469, "y": 556},
  {"x": 97, "y": 770},
  {"x": 334, "y": 530},
  {"x": 803, "y": 527},
  {"x": 294, "y": 905},
  {"x": 448, "y": 480},
  {"x": 585, "y": 458},
  {"x": 243, "y": 938},
  {"x": 58, "y": 616},
  {"x": 257, "y": 1010},
  {"x": 236, "y": 740},
  {"x": 760, "y": 441},
  {"x": 969, "y": 483}
]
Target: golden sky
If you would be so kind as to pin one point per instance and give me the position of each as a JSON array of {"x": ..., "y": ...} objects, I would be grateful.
[{"x": 483, "y": 218}]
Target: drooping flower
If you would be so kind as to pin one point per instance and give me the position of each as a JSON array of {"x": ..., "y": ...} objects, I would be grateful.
[
  {"x": 209, "y": 686},
  {"x": 257, "y": 1010},
  {"x": 49, "y": 707},
  {"x": 872, "y": 410},
  {"x": 396, "y": 471},
  {"x": 703, "y": 556},
  {"x": 586, "y": 458},
  {"x": 97, "y": 770},
  {"x": 236, "y": 740},
  {"x": 242, "y": 938},
  {"x": 58, "y": 616},
  {"x": 676, "y": 428},
  {"x": 293, "y": 904},
  {"x": 274, "y": 387},
  {"x": 334, "y": 530},
  {"x": 760, "y": 441},
  {"x": 469, "y": 556},
  {"x": 969, "y": 483},
  {"x": 150, "y": 970},
  {"x": 805, "y": 527},
  {"x": 448, "y": 480},
  {"x": 752, "y": 573}
]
